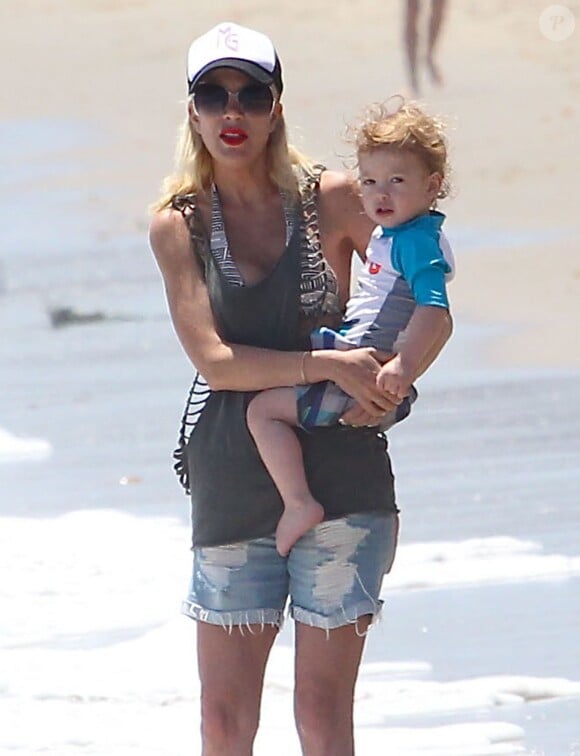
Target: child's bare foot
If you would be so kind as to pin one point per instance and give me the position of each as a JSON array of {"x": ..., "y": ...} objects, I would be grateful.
[{"x": 296, "y": 520}]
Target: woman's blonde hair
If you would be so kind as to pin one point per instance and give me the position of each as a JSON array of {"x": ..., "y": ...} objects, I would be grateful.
[
  {"x": 194, "y": 165},
  {"x": 405, "y": 126}
]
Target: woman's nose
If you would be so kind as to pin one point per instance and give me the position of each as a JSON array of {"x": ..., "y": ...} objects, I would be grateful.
[{"x": 233, "y": 106}]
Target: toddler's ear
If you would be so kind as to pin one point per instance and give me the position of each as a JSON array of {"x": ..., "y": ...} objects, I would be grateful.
[{"x": 434, "y": 185}]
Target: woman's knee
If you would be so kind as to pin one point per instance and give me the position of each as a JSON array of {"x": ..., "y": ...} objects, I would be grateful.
[
  {"x": 227, "y": 720},
  {"x": 320, "y": 709}
]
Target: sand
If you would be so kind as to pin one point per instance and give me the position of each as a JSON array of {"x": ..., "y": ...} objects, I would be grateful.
[{"x": 511, "y": 98}]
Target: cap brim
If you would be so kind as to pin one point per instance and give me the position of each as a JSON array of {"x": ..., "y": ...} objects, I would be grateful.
[{"x": 245, "y": 66}]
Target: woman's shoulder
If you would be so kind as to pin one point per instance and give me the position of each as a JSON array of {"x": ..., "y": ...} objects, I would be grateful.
[
  {"x": 166, "y": 224},
  {"x": 339, "y": 193},
  {"x": 170, "y": 235},
  {"x": 336, "y": 181},
  {"x": 318, "y": 176}
]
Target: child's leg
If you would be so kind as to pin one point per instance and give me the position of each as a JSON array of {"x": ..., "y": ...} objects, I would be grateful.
[{"x": 271, "y": 419}]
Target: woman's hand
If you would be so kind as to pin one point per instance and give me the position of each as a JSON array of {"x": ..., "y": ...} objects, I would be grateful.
[
  {"x": 358, "y": 418},
  {"x": 355, "y": 371}
]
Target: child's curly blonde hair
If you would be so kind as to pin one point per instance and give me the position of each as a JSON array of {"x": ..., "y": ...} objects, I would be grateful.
[{"x": 406, "y": 127}]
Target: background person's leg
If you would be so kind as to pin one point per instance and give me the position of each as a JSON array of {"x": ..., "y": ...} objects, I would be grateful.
[
  {"x": 435, "y": 23},
  {"x": 411, "y": 40}
]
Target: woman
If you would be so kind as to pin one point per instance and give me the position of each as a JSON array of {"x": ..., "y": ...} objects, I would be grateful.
[{"x": 239, "y": 236}]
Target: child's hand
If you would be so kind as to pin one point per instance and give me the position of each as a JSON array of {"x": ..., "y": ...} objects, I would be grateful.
[{"x": 393, "y": 379}]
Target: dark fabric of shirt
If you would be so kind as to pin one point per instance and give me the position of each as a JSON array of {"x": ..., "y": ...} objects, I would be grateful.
[{"x": 233, "y": 497}]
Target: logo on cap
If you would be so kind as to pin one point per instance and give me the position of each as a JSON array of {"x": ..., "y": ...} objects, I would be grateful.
[{"x": 227, "y": 37}]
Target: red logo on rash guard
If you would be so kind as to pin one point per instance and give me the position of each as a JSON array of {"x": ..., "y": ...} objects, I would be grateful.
[{"x": 374, "y": 268}]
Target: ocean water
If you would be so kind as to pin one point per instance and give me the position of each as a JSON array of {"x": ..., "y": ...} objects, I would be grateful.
[{"x": 477, "y": 650}]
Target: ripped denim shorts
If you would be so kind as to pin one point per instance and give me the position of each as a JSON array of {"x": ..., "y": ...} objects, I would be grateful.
[{"x": 332, "y": 576}]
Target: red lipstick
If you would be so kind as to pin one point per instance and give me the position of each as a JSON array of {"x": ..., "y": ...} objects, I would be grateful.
[{"x": 233, "y": 137}]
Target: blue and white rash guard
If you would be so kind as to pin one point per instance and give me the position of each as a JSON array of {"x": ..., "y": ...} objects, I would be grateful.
[{"x": 406, "y": 266}]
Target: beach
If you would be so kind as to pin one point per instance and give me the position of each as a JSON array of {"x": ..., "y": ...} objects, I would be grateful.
[{"x": 476, "y": 652}]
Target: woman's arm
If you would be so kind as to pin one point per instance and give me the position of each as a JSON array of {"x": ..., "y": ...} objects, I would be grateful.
[
  {"x": 223, "y": 365},
  {"x": 238, "y": 367}
]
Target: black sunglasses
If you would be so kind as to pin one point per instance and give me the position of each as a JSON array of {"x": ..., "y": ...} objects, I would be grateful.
[{"x": 253, "y": 99}]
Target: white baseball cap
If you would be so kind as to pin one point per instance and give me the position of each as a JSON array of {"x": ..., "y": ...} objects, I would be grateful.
[{"x": 228, "y": 45}]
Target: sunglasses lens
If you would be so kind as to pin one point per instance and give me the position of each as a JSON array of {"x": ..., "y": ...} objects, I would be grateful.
[
  {"x": 210, "y": 99},
  {"x": 256, "y": 99}
]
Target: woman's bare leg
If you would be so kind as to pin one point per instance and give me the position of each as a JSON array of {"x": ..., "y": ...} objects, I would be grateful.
[
  {"x": 231, "y": 669},
  {"x": 271, "y": 420},
  {"x": 326, "y": 671}
]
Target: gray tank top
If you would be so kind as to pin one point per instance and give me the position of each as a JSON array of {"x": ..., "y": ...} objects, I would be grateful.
[
  {"x": 232, "y": 496},
  {"x": 220, "y": 251}
]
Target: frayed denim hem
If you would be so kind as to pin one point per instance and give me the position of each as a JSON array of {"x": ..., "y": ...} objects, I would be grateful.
[
  {"x": 244, "y": 620},
  {"x": 341, "y": 618}
]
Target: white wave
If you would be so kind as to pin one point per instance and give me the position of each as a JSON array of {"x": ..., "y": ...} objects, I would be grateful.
[
  {"x": 95, "y": 648},
  {"x": 90, "y": 574},
  {"x": 411, "y": 697},
  {"x": 497, "y": 559},
  {"x": 173, "y": 731},
  {"x": 19, "y": 449},
  {"x": 468, "y": 739},
  {"x": 99, "y": 700}
]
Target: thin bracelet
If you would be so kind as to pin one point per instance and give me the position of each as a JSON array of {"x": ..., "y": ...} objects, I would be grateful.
[{"x": 303, "y": 379}]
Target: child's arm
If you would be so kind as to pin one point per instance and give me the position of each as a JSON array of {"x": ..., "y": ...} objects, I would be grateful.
[
  {"x": 419, "y": 258},
  {"x": 417, "y": 350}
]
